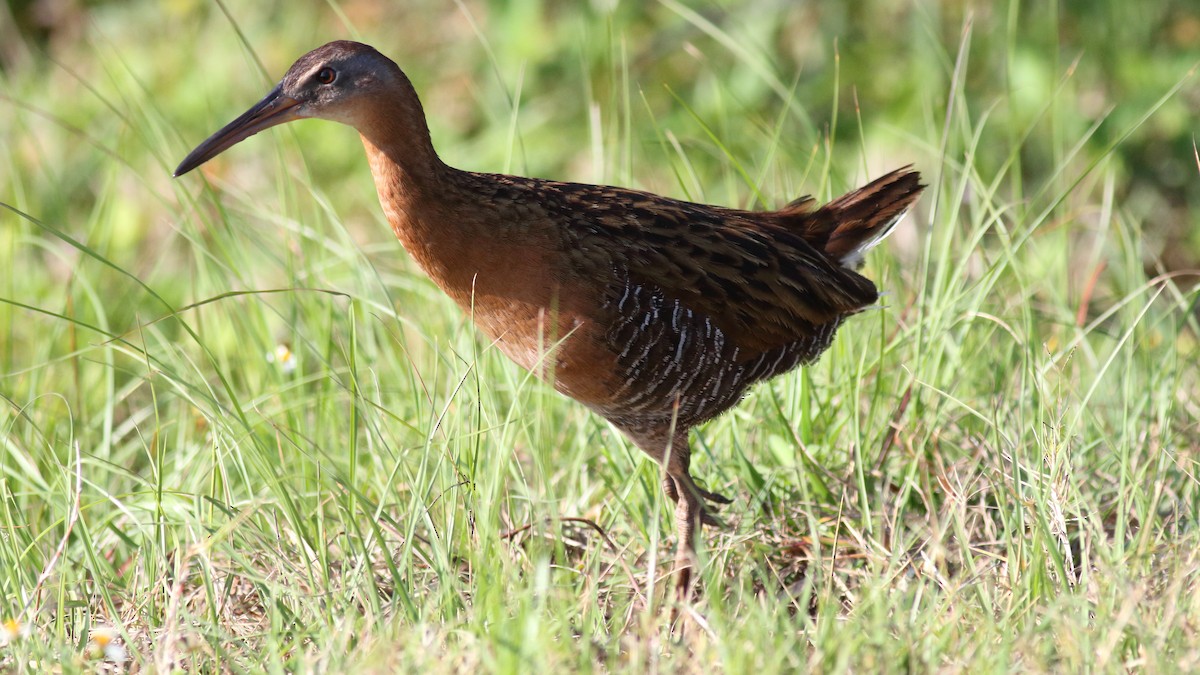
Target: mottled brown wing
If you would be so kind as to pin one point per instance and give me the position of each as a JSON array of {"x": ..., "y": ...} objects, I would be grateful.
[{"x": 762, "y": 284}]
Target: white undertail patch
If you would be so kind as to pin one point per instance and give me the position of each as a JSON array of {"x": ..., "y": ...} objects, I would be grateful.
[{"x": 853, "y": 260}]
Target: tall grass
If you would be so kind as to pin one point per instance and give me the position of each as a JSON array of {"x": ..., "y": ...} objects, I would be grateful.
[{"x": 241, "y": 430}]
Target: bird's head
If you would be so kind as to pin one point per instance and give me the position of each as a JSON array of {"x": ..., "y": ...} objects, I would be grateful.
[{"x": 331, "y": 82}]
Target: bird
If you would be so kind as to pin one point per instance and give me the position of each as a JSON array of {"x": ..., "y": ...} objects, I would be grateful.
[{"x": 655, "y": 313}]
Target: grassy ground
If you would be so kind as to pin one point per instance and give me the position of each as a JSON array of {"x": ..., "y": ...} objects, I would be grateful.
[{"x": 239, "y": 430}]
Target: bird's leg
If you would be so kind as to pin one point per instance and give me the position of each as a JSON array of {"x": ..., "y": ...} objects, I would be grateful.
[
  {"x": 671, "y": 449},
  {"x": 691, "y": 513}
]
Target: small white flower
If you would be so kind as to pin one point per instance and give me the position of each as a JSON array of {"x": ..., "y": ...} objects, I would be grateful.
[
  {"x": 106, "y": 645},
  {"x": 284, "y": 356},
  {"x": 11, "y": 631}
]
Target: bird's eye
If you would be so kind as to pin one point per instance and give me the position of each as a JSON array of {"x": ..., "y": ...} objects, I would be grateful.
[{"x": 326, "y": 75}]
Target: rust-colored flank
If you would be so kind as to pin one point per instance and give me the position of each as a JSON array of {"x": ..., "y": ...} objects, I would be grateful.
[{"x": 660, "y": 313}]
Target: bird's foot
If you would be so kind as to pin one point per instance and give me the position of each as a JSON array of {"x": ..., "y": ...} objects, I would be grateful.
[
  {"x": 714, "y": 497},
  {"x": 707, "y": 515}
]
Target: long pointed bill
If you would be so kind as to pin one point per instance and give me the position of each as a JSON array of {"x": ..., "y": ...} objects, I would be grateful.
[{"x": 276, "y": 108}]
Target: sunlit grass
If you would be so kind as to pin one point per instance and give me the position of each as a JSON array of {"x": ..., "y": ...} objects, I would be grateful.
[{"x": 239, "y": 428}]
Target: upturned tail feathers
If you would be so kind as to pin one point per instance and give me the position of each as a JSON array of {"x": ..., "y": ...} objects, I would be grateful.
[{"x": 849, "y": 226}]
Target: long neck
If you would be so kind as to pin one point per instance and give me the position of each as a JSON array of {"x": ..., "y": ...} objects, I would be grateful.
[
  {"x": 415, "y": 187},
  {"x": 393, "y": 129}
]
